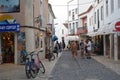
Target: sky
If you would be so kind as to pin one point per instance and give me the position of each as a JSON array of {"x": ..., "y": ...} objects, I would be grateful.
[{"x": 60, "y": 9}]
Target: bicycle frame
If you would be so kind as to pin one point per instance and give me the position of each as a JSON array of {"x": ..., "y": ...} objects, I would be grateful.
[{"x": 32, "y": 68}]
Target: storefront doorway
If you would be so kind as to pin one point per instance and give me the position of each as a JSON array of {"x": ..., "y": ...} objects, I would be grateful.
[{"x": 7, "y": 47}]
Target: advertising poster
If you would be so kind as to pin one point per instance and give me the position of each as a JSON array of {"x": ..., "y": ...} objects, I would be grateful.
[
  {"x": 9, "y": 6},
  {"x": 21, "y": 47}
]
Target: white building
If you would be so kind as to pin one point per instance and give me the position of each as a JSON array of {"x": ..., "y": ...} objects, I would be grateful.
[
  {"x": 61, "y": 31},
  {"x": 111, "y": 21},
  {"x": 72, "y": 17},
  {"x": 106, "y": 27}
]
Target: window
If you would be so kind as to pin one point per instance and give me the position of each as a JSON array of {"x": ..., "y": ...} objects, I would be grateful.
[
  {"x": 98, "y": 18},
  {"x": 41, "y": 44},
  {"x": 97, "y": 1},
  {"x": 73, "y": 27},
  {"x": 76, "y": 10},
  {"x": 106, "y": 7},
  {"x": 95, "y": 17},
  {"x": 90, "y": 21},
  {"x": 73, "y": 17},
  {"x": 76, "y": 24},
  {"x": 70, "y": 25},
  {"x": 102, "y": 13},
  {"x": 62, "y": 31},
  {"x": 69, "y": 13},
  {"x": 118, "y": 3},
  {"x": 8, "y": 6},
  {"x": 112, "y": 6},
  {"x": 40, "y": 0}
]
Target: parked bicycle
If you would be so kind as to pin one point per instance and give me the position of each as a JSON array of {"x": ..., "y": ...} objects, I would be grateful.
[
  {"x": 51, "y": 55},
  {"x": 32, "y": 67}
]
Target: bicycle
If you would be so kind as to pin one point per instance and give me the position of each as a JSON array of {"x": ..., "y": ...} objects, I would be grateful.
[
  {"x": 31, "y": 67},
  {"x": 51, "y": 56}
]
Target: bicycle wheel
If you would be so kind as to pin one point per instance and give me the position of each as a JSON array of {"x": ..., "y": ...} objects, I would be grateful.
[
  {"x": 27, "y": 70},
  {"x": 52, "y": 57},
  {"x": 41, "y": 67},
  {"x": 33, "y": 70}
]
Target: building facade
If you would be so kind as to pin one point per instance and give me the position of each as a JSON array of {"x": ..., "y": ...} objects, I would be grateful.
[
  {"x": 106, "y": 27},
  {"x": 72, "y": 19},
  {"x": 30, "y": 19}
]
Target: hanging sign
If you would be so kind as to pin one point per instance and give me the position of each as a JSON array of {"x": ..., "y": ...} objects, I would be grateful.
[
  {"x": 117, "y": 26},
  {"x": 9, "y": 27}
]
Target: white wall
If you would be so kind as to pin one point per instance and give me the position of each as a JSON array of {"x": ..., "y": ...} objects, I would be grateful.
[
  {"x": 84, "y": 5},
  {"x": 98, "y": 7},
  {"x": 71, "y": 7},
  {"x": 58, "y": 31},
  {"x": 90, "y": 19},
  {"x": 111, "y": 16}
]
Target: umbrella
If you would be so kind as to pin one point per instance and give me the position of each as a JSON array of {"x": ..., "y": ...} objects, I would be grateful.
[{"x": 54, "y": 38}]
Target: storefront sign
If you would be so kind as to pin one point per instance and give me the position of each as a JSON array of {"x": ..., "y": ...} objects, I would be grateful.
[
  {"x": 9, "y": 27},
  {"x": 117, "y": 26}
]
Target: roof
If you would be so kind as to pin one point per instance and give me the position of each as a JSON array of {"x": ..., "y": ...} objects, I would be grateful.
[
  {"x": 88, "y": 10},
  {"x": 51, "y": 10}
]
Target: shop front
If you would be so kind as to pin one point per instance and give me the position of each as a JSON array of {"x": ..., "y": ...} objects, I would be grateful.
[{"x": 8, "y": 39}]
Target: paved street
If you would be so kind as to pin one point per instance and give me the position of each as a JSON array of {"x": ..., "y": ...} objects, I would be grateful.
[
  {"x": 68, "y": 68},
  {"x": 64, "y": 67}
]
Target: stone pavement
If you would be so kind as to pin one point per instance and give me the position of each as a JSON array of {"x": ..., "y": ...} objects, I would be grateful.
[
  {"x": 69, "y": 68},
  {"x": 109, "y": 63},
  {"x": 17, "y": 72}
]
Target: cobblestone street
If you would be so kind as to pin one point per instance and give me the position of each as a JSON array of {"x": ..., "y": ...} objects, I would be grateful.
[{"x": 68, "y": 68}]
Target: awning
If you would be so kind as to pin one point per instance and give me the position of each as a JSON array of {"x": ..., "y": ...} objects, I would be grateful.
[
  {"x": 103, "y": 30},
  {"x": 112, "y": 26},
  {"x": 91, "y": 33},
  {"x": 71, "y": 38}
]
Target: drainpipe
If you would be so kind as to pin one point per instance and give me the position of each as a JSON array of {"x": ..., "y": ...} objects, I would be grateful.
[
  {"x": 104, "y": 38},
  {"x": 16, "y": 59},
  {"x": 111, "y": 46},
  {"x": 115, "y": 47}
]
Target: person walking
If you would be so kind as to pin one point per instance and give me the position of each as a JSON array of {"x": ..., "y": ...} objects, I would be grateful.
[
  {"x": 74, "y": 49},
  {"x": 56, "y": 48},
  {"x": 89, "y": 48},
  {"x": 82, "y": 49}
]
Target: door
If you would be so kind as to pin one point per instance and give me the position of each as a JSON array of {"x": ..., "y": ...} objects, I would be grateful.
[{"x": 7, "y": 43}]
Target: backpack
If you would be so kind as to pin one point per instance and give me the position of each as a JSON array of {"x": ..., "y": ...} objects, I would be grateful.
[{"x": 81, "y": 44}]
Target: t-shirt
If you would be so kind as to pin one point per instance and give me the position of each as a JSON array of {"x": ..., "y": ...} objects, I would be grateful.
[
  {"x": 82, "y": 45},
  {"x": 89, "y": 47}
]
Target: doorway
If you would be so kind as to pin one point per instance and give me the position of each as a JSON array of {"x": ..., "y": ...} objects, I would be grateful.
[{"x": 7, "y": 44}]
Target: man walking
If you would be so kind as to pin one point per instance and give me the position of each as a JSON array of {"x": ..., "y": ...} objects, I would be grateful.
[
  {"x": 82, "y": 48},
  {"x": 89, "y": 48}
]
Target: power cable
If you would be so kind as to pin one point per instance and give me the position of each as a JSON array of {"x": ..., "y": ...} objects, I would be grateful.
[{"x": 75, "y": 4}]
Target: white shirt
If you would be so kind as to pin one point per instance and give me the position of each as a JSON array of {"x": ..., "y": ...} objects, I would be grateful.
[{"x": 89, "y": 47}]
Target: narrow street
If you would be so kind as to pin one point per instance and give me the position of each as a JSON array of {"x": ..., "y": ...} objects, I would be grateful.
[{"x": 68, "y": 68}]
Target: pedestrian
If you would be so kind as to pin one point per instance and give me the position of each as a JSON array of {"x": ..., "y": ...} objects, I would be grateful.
[
  {"x": 60, "y": 46},
  {"x": 69, "y": 46},
  {"x": 56, "y": 48},
  {"x": 63, "y": 45},
  {"x": 86, "y": 51},
  {"x": 74, "y": 49},
  {"x": 23, "y": 54},
  {"x": 89, "y": 48},
  {"x": 82, "y": 49}
]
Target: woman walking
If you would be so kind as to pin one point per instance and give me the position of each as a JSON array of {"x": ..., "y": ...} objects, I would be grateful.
[
  {"x": 74, "y": 49},
  {"x": 82, "y": 48}
]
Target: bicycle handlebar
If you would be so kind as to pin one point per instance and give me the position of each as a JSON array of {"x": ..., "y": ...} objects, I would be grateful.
[{"x": 30, "y": 53}]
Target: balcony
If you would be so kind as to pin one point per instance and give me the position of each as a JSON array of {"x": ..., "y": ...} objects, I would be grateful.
[
  {"x": 72, "y": 31},
  {"x": 82, "y": 30}
]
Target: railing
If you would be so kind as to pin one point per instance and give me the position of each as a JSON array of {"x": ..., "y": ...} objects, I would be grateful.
[{"x": 82, "y": 30}]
